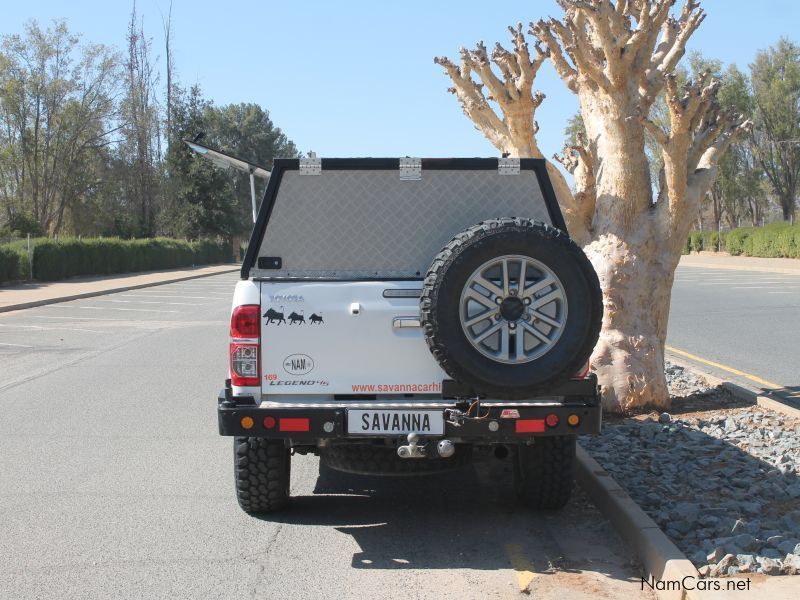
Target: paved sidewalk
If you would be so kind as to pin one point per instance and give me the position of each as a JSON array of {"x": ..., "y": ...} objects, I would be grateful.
[
  {"x": 26, "y": 295},
  {"x": 714, "y": 260}
]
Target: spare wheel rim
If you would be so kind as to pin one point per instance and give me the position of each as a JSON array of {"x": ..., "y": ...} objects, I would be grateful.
[{"x": 513, "y": 309}]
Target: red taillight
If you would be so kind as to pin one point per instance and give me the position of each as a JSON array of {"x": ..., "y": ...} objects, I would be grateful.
[
  {"x": 269, "y": 422},
  {"x": 245, "y": 322},
  {"x": 551, "y": 420},
  {"x": 245, "y": 325}
]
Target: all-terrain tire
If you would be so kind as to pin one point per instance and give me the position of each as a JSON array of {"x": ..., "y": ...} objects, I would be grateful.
[
  {"x": 262, "y": 471},
  {"x": 544, "y": 472},
  {"x": 450, "y": 272},
  {"x": 366, "y": 459}
]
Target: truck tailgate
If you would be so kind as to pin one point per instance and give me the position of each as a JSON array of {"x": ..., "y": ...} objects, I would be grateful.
[{"x": 343, "y": 337}]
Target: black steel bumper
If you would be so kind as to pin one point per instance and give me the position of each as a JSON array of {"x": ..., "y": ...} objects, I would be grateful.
[{"x": 241, "y": 416}]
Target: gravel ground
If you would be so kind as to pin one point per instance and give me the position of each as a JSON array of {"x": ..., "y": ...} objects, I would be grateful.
[{"x": 720, "y": 477}]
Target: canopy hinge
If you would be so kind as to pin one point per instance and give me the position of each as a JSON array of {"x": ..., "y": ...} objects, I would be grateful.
[
  {"x": 508, "y": 166},
  {"x": 310, "y": 166},
  {"x": 410, "y": 169}
]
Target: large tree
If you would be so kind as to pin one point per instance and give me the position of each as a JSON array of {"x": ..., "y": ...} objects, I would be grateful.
[
  {"x": 56, "y": 114},
  {"x": 775, "y": 75},
  {"x": 140, "y": 148},
  {"x": 246, "y": 130},
  {"x": 202, "y": 202},
  {"x": 740, "y": 190},
  {"x": 617, "y": 57},
  {"x": 204, "y": 199}
]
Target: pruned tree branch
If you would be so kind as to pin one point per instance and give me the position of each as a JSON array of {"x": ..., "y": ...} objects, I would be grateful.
[
  {"x": 577, "y": 159},
  {"x": 675, "y": 33},
  {"x": 611, "y": 42},
  {"x": 544, "y": 34},
  {"x": 473, "y": 102},
  {"x": 700, "y": 132},
  {"x": 513, "y": 129}
]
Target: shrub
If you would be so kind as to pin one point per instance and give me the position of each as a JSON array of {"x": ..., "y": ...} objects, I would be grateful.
[
  {"x": 736, "y": 239},
  {"x": 696, "y": 241},
  {"x": 778, "y": 240},
  {"x": 13, "y": 264},
  {"x": 711, "y": 241},
  {"x": 71, "y": 257}
]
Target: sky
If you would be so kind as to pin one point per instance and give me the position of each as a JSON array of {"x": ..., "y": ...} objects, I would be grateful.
[{"x": 356, "y": 78}]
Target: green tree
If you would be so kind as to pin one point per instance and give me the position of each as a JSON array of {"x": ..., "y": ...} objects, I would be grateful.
[
  {"x": 775, "y": 75},
  {"x": 140, "y": 148},
  {"x": 202, "y": 201},
  {"x": 245, "y": 130},
  {"x": 56, "y": 116},
  {"x": 739, "y": 189}
]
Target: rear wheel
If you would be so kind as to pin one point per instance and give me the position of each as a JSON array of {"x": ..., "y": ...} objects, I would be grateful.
[
  {"x": 544, "y": 472},
  {"x": 262, "y": 471}
]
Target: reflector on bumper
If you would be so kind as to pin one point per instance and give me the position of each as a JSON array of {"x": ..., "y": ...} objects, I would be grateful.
[
  {"x": 530, "y": 425},
  {"x": 293, "y": 424}
]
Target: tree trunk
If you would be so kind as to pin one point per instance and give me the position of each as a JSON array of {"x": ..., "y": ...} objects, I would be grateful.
[
  {"x": 623, "y": 178},
  {"x": 787, "y": 207},
  {"x": 636, "y": 278},
  {"x": 633, "y": 264}
]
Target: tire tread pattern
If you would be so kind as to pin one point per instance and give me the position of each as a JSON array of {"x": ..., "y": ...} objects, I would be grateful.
[
  {"x": 544, "y": 472},
  {"x": 261, "y": 471}
]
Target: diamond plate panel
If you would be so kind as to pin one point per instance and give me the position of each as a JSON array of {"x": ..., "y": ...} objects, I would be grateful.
[{"x": 363, "y": 223}]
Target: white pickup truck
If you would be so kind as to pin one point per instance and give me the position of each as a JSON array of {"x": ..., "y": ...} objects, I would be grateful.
[{"x": 399, "y": 316}]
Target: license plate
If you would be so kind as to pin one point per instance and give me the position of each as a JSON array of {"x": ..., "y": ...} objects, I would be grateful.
[{"x": 368, "y": 422}]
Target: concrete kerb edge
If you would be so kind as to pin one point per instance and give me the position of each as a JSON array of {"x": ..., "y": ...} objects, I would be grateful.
[
  {"x": 738, "y": 391},
  {"x": 34, "y": 303},
  {"x": 661, "y": 559}
]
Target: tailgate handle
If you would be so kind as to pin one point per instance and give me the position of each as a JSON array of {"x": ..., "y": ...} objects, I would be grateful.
[{"x": 403, "y": 322}]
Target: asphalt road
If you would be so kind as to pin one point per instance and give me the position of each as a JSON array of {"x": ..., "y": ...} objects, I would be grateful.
[
  {"x": 746, "y": 320},
  {"x": 114, "y": 483}
]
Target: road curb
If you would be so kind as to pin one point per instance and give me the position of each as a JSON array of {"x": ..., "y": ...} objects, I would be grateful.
[
  {"x": 736, "y": 390},
  {"x": 125, "y": 288},
  {"x": 662, "y": 559}
]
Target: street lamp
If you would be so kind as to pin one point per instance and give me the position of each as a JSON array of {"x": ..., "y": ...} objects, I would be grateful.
[{"x": 228, "y": 161}]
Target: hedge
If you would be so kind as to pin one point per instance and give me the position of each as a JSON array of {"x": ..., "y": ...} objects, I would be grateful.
[
  {"x": 777, "y": 240},
  {"x": 54, "y": 260},
  {"x": 736, "y": 239},
  {"x": 703, "y": 240},
  {"x": 13, "y": 264}
]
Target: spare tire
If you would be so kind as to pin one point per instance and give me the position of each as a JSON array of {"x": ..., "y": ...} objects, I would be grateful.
[{"x": 511, "y": 307}]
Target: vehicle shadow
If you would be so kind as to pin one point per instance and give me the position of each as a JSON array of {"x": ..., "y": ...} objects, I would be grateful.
[{"x": 464, "y": 519}]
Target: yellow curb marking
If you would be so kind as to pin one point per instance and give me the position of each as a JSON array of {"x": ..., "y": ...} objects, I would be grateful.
[
  {"x": 522, "y": 566},
  {"x": 763, "y": 382}
]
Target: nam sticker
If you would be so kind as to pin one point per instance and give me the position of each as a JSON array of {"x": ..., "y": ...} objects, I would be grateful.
[{"x": 298, "y": 364}]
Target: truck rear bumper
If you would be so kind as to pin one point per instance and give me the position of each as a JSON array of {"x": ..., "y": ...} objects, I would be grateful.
[{"x": 500, "y": 422}]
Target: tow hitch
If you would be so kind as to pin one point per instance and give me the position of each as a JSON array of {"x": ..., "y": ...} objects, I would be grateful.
[{"x": 431, "y": 449}]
